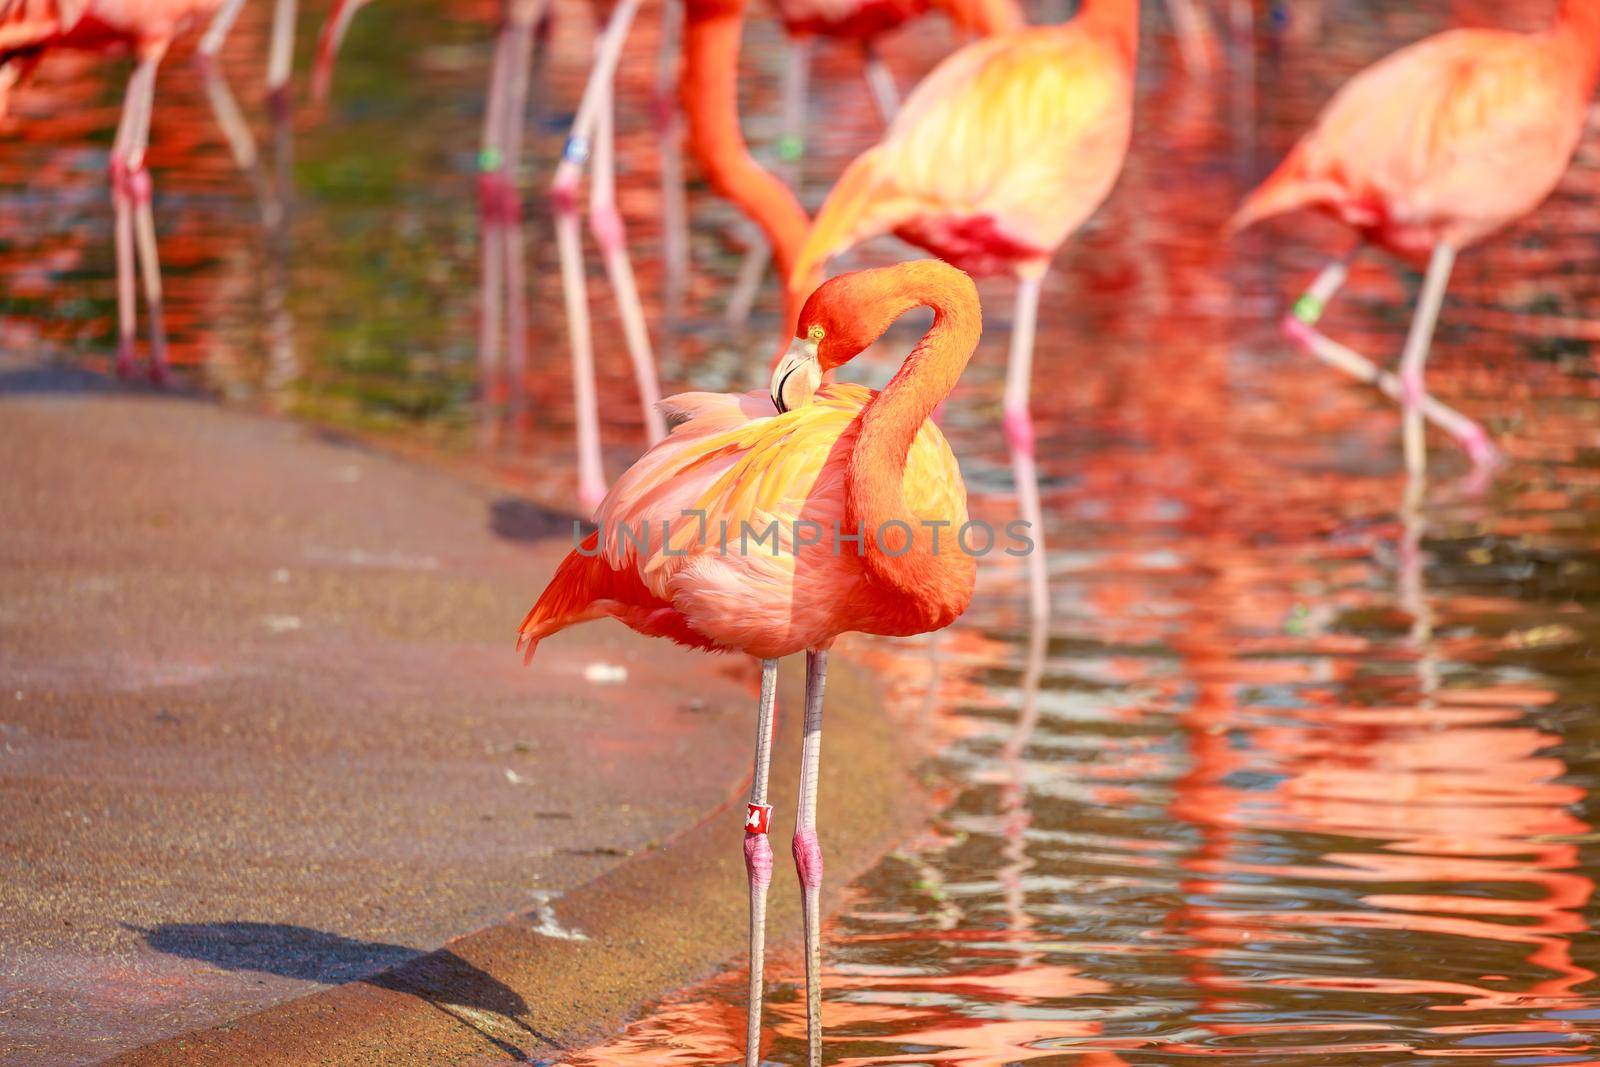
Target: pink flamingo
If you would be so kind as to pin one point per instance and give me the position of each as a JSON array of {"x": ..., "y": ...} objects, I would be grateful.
[
  {"x": 1424, "y": 153},
  {"x": 806, "y": 458}
]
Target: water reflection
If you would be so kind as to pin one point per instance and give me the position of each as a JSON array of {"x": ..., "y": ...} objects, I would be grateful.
[{"x": 1302, "y": 768}]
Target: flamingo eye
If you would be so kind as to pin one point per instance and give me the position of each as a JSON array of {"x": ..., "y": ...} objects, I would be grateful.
[{"x": 814, "y": 334}]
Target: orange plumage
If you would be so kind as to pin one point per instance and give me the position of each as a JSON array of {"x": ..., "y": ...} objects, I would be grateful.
[{"x": 1446, "y": 140}]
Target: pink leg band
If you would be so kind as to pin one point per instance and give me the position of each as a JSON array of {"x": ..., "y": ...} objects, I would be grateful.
[
  {"x": 808, "y": 858},
  {"x": 758, "y": 859}
]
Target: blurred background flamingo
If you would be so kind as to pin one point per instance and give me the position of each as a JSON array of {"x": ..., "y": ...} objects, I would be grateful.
[{"x": 1427, "y": 152}]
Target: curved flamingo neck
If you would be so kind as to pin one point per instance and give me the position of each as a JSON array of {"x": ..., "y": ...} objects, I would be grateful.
[
  {"x": 927, "y": 569},
  {"x": 708, "y": 90}
]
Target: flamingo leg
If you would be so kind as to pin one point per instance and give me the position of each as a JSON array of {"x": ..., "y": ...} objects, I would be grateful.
[
  {"x": 1018, "y": 424},
  {"x": 569, "y": 247},
  {"x": 796, "y": 86},
  {"x": 808, "y": 852},
  {"x": 494, "y": 191},
  {"x": 280, "y": 57},
  {"x": 1300, "y": 326},
  {"x": 137, "y": 194},
  {"x": 525, "y": 18},
  {"x": 885, "y": 94},
  {"x": 575, "y": 292},
  {"x": 605, "y": 222},
  {"x": 235, "y": 130},
  {"x": 1414, "y": 358},
  {"x": 758, "y": 856},
  {"x": 1196, "y": 42},
  {"x": 122, "y": 181},
  {"x": 747, "y": 282},
  {"x": 791, "y": 158},
  {"x": 280, "y": 64},
  {"x": 328, "y": 45},
  {"x": 674, "y": 198}
]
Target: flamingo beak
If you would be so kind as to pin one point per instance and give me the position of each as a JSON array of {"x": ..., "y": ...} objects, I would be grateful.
[{"x": 797, "y": 376}]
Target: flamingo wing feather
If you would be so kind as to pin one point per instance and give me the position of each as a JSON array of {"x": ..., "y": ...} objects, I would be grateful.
[
  {"x": 1026, "y": 131},
  {"x": 704, "y": 539}
]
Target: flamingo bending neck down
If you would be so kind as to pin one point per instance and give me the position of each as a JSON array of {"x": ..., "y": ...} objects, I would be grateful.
[
  {"x": 1000, "y": 153},
  {"x": 810, "y": 460},
  {"x": 1425, "y": 152}
]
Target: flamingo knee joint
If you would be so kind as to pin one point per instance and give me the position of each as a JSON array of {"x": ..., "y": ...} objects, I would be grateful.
[
  {"x": 808, "y": 858},
  {"x": 1018, "y": 426},
  {"x": 758, "y": 859},
  {"x": 605, "y": 222}
]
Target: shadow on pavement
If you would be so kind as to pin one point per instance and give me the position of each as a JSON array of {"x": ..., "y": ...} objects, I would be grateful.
[
  {"x": 441, "y": 978},
  {"x": 20, "y": 376},
  {"x": 517, "y": 519}
]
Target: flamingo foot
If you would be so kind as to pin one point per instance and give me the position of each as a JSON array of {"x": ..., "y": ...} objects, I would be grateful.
[
  {"x": 1486, "y": 460},
  {"x": 1480, "y": 449}
]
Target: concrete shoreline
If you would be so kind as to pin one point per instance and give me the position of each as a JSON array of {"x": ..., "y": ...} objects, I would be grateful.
[
  {"x": 541, "y": 984},
  {"x": 266, "y": 743}
]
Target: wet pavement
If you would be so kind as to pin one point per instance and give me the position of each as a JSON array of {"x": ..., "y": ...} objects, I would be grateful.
[{"x": 1297, "y": 773}]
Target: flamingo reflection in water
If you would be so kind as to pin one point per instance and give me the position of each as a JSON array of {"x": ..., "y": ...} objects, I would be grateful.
[
  {"x": 1456, "y": 791},
  {"x": 503, "y": 330},
  {"x": 30, "y": 29}
]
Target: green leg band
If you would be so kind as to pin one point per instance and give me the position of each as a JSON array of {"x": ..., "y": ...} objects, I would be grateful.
[
  {"x": 791, "y": 149},
  {"x": 1308, "y": 309}
]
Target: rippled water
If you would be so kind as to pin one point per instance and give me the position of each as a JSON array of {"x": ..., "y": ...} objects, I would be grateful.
[{"x": 1296, "y": 774}]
